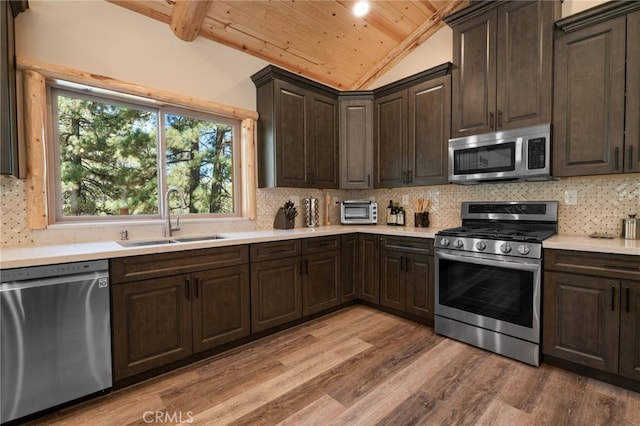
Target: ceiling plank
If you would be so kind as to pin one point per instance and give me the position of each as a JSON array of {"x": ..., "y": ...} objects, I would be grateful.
[
  {"x": 423, "y": 32},
  {"x": 187, "y": 17}
]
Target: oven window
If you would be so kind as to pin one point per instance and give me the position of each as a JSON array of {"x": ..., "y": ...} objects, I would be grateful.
[
  {"x": 485, "y": 159},
  {"x": 356, "y": 212},
  {"x": 491, "y": 291}
]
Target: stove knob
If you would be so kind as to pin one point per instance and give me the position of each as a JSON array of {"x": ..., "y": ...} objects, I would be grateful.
[
  {"x": 458, "y": 243},
  {"x": 481, "y": 245},
  {"x": 523, "y": 249},
  {"x": 505, "y": 247},
  {"x": 444, "y": 242}
]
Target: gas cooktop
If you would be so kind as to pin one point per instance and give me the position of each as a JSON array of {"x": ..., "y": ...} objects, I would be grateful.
[{"x": 509, "y": 228}]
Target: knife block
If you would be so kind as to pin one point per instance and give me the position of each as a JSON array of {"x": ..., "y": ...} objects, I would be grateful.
[{"x": 281, "y": 221}]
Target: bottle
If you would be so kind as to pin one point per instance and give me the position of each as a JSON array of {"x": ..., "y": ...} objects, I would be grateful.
[
  {"x": 400, "y": 216},
  {"x": 393, "y": 217},
  {"x": 389, "y": 210}
]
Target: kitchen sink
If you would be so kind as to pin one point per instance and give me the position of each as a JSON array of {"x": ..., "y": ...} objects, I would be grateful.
[
  {"x": 169, "y": 241},
  {"x": 194, "y": 239},
  {"x": 145, "y": 243}
]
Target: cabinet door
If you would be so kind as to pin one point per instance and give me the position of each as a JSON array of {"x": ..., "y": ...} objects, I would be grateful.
[
  {"x": 151, "y": 324},
  {"x": 632, "y": 134},
  {"x": 276, "y": 296},
  {"x": 392, "y": 279},
  {"x": 588, "y": 113},
  {"x": 322, "y": 144},
  {"x": 368, "y": 268},
  {"x": 321, "y": 282},
  {"x": 220, "y": 306},
  {"x": 429, "y": 131},
  {"x": 291, "y": 135},
  {"x": 356, "y": 144},
  {"x": 390, "y": 140},
  {"x": 524, "y": 63},
  {"x": 419, "y": 272},
  {"x": 630, "y": 330},
  {"x": 582, "y": 319},
  {"x": 474, "y": 75},
  {"x": 349, "y": 265}
]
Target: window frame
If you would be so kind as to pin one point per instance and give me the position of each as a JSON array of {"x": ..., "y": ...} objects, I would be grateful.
[{"x": 91, "y": 93}]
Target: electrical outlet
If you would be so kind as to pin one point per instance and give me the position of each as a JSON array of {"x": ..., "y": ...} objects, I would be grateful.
[
  {"x": 570, "y": 197},
  {"x": 405, "y": 200}
]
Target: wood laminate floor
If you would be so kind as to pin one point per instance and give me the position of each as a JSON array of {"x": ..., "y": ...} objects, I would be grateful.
[{"x": 360, "y": 366}]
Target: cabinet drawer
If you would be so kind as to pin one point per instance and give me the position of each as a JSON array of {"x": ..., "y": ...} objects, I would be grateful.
[
  {"x": 144, "y": 267},
  {"x": 406, "y": 244},
  {"x": 274, "y": 250},
  {"x": 320, "y": 244},
  {"x": 602, "y": 264}
]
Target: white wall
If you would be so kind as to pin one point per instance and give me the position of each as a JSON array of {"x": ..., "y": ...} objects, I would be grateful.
[{"x": 110, "y": 40}]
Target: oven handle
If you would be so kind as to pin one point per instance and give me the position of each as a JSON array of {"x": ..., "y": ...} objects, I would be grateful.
[{"x": 489, "y": 262}]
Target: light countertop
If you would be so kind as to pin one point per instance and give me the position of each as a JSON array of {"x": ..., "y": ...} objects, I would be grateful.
[{"x": 51, "y": 254}]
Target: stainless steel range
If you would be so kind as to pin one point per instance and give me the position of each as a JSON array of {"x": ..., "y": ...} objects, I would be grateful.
[{"x": 489, "y": 276}]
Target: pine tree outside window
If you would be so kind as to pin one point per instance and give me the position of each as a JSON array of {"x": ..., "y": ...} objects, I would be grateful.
[{"x": 114, "y": 157}]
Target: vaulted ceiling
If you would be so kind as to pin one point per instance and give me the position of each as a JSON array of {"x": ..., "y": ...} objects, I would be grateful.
[{"x": 319, "y": 39}]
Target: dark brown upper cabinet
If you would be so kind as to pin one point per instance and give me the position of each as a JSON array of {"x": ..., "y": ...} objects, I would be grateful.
[
  {"x": 298, "y": 140},
  {"x": 597, "y": 60},
  {"x": 411, "y": 129},
  {"x": 502, "y": 65},
  {"x": 356, "y": 140}
]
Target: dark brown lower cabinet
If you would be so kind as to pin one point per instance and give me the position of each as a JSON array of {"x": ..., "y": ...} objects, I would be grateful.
[
  {"x": 349, "y": 265},
  {"x": 220, "y": 306},
  {"x": 406, "y": 282},
  {"x": 162, "y": 313},
  {"x": 320, "y": 282},
  {"x": 276, "y": 296},
  {"x": 592, "y": 310},
  {"x": 368, "y": 267},
  {"x": 151, "y": 324},
  {"x": 581, "y": 319}
]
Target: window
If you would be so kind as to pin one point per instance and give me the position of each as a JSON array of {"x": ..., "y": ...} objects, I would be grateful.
[{"x": 116, "y": 155}]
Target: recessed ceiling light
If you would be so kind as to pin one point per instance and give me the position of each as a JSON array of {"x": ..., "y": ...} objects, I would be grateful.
[{"x": 361, "y": 8}]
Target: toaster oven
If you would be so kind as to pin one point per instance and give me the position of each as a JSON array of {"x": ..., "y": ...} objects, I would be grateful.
[{"x": 358, "y": 212}]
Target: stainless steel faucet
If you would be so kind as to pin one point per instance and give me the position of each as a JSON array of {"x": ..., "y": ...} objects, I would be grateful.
[{"x": 168, "y": 227}]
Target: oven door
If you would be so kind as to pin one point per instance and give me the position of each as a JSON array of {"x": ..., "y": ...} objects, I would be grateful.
[{"x": 493, "y": 292}]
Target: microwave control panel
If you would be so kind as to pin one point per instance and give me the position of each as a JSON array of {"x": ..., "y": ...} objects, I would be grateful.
[{"x": 536, "y": 153}]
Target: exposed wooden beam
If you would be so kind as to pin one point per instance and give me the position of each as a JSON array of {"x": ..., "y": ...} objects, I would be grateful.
[
  {"x": 417, "y": 37},
  {"x": 187, "y": 17}
]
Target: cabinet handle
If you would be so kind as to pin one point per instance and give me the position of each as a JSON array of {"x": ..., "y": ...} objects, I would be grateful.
[
  {"x": 613, "y": 298},
  {"x": 402, "y": 265},
  {"x": 369, "y": 179},
  {"x": 630, "y": 158},
  {"x": 187, "y": 289},
  {"x": 301, "y": 268},
  {"x": 197, "y": 287},
  {"x": 628, "y": 298},
  {"x": 409, "y": 176},
  {"x": 306, "y": 266},
  {"x": 491, "y": 120},
  {"x": 499, "y": 118},
  {"x": 313, "y": 178},
  {"x": 615, "y": 153}
]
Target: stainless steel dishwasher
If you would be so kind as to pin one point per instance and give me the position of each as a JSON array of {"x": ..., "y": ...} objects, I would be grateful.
[{"x": 55, "y": 341}]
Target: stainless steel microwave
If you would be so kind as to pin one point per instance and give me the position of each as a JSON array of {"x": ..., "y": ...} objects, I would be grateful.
[
  {"x": 511, "y": 155},
  {"x": 358, "y": 212}
]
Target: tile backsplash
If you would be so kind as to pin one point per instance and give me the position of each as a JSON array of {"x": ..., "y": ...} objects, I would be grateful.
[{"x": 602, "y": 202}]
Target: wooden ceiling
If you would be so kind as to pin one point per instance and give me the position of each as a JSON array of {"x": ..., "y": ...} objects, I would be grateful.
[{"x": 319, "y": 39}]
